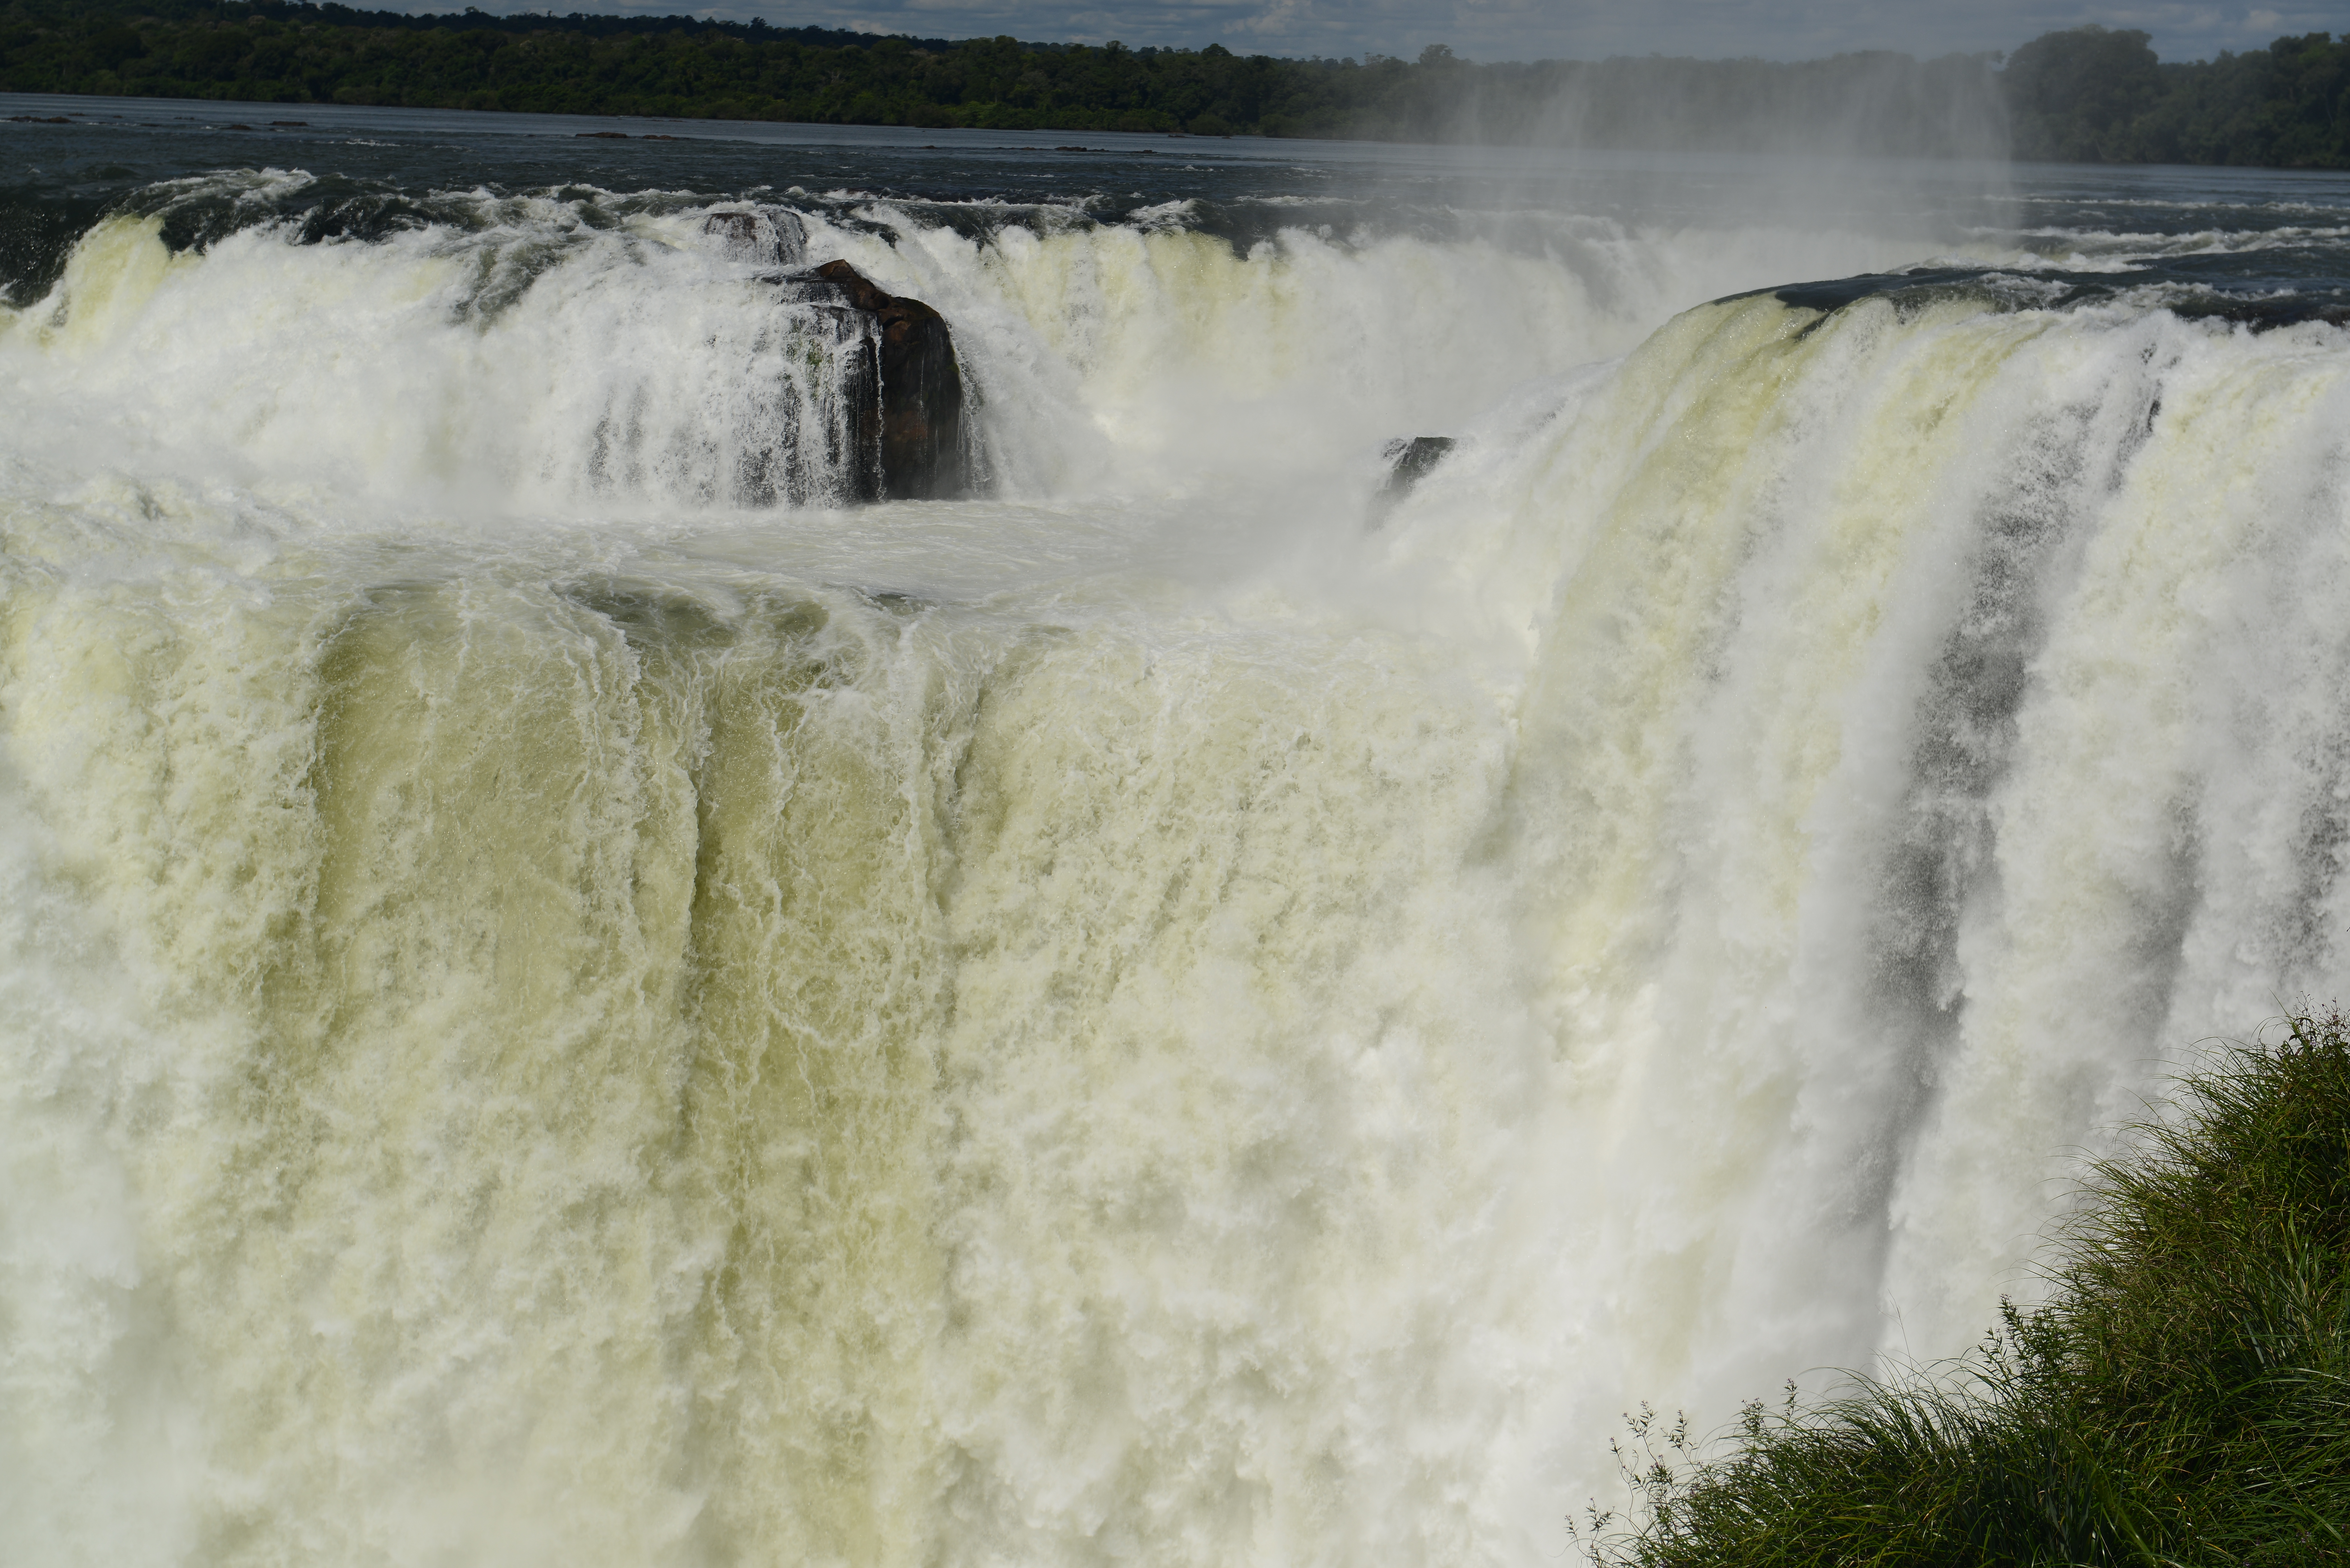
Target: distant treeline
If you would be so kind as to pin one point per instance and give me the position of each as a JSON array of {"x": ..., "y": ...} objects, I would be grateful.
[{"x": 2087, "y": 94}]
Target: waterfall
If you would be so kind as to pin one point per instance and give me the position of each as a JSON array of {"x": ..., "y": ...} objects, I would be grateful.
[{"x": 568, "y": 1007}]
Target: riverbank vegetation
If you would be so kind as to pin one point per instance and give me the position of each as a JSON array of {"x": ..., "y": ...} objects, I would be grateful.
[
  {"x": 2183, "y": 1398},
  {"x": 2087, "y": 94}
]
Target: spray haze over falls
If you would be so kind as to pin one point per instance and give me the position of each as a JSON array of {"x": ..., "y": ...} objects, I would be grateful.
[{"x": 556, "y": 1010}]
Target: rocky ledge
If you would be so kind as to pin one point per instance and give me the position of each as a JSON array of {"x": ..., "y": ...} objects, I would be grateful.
[{"x": 907, "y": 396}]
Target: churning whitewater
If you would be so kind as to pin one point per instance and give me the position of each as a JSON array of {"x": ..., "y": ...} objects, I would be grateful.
[{"x": 567, "y": 1000}]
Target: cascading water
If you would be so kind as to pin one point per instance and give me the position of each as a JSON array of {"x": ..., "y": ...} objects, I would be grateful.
[{"x": 563, "y": 1006}]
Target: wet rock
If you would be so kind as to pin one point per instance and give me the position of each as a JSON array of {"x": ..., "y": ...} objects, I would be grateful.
[
  {"x": 772, "y": 236},
  {"x": 889, "y": 424},
  {"x": 913, "y": 439},
  {"x": 1408, "y": 460}
]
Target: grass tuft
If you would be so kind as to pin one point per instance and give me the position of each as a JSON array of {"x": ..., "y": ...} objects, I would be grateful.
[{"x": 2182, "y": 1398}]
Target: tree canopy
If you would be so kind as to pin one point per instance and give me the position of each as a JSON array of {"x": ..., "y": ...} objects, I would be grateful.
[{"x": 2091, "y": 96}]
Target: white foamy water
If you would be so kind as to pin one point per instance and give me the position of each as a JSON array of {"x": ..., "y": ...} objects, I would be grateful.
[{"x": 555, "y": 1018}]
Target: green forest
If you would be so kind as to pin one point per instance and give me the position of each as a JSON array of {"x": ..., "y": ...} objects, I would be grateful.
[{"x": 2087, "y": 95}]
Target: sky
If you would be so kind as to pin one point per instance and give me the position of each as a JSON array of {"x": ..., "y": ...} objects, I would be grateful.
[{"x": 1513, "y": 29}]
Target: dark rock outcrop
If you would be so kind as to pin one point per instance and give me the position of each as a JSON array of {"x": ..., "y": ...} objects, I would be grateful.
[
  {"x": 913, "y": 443},
  {"x": 900, "y": 386},
  {"x": 1408, "y": 460},
  {"x": 773, "y": 236}
]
